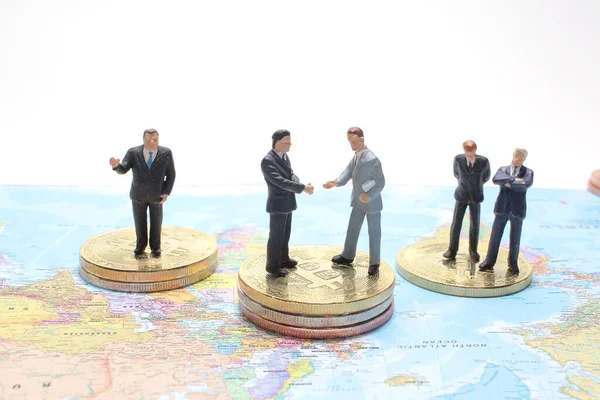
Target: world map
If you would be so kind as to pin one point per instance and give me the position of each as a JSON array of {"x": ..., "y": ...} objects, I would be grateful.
[{"x": 63, "y": 338}]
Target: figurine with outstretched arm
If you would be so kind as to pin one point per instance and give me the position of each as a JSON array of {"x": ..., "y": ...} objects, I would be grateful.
[
  {"x": 282, "y": 185},
  {"x": 367, "y": 183},
  {"x": 153, "y": 179}
]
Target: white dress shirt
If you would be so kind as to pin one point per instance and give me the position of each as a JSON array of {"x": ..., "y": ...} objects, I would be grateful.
[
  {"x": 147, "y": 154},
  {"x": 514, "y": 171}
]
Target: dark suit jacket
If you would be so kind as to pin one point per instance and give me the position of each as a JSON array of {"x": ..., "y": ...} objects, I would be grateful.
[
  {"x": 281, "y": 182},
  {"x": 511, "y": 200},
  {"x": 470, "y": 183},
  {"x": 149, "y": 183}
]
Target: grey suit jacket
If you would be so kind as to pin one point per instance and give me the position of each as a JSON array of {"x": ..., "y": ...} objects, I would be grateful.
[{"x": 367, "y": 177}]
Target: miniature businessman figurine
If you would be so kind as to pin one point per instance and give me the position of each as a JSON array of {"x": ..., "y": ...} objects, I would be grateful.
[
  {"x": 514, "y": 180},
  {"x": 367, "y": 183},
  {"x": 471, "y": 171},
  {"x": 153, "y": 179},
  {"x": 282, "y": 185}
]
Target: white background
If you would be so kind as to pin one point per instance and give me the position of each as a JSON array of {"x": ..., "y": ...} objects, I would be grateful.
[{"x": 81, "y": 80}]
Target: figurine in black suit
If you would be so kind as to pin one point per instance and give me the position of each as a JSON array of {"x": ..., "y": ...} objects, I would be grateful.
[
  {"x": 511, "y": 205},
  {"x": 471, "y": 171},
  {"x": 281, "y": 201},
  {"x": 153, "y": 179}
]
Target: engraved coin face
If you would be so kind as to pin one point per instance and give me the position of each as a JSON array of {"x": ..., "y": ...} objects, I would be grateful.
[
  {"x": 423, "y": 265},
  {"x": 316, "y": 286},
  {"x": 180, "y": 246},
  {"x": 185, "y": 253}
]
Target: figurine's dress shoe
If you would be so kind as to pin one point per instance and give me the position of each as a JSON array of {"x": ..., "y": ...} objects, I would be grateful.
[
  {"x": 289, "y": 263},
  {"x": 155, "y": 253},
  {"x": 474, "y": 256},
  {"x": 486, "y": 266},
  {"x": 450, "y": 255},
  {"x": 373, "y": 269},
  {"x": 139, "y": 254},
  {"x": 513, "y": 269},
  {"x": 341, "y": 260},
  {"x": 277, "y": 272}
]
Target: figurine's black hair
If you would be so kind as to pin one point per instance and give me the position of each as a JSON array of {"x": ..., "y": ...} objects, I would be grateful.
[
  {"x": 278, "y": 135},
  {"x": 150, "y": 131}
]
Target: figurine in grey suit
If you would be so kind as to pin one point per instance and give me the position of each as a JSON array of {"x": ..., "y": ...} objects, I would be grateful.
[
  {"x": 367, "y": 183},
  {"x": 153, "y": 179},
  {"x": 511, "y": 205},
  {"x": 471, "y": 171},
  {"x": 283, "y": 185}
]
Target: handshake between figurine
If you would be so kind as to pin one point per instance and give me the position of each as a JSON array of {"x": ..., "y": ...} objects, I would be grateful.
[{"x": 367, "y": 183}]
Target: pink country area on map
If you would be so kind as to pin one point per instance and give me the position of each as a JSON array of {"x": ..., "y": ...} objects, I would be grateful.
[
  {"x": 235, "y": 240},
  {"x": 125, "y": 303}
]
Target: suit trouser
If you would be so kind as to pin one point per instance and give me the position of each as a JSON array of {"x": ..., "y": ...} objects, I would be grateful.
[
  {"x": 141, "y": 224},
  {"x": 280, "y": 227},
  {"x": 354, "y": 225},
  {"x": 457, "y": 219},
  {"x": 516, "y": 224}
]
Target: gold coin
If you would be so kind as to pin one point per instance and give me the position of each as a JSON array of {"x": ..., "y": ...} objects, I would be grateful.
[
  {"x": 137, "y": 287},
  {"x": 317, "y": 286},
  {"x": 423, "y": 265},
  {"x": 185, "y": 252},
  {"x": 325, "y": 321},
  {"x": 320, "y": 333}
]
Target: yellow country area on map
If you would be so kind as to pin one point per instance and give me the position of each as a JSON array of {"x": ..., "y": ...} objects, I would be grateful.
[
  {"x": 577, "y": 344},
  {"x": 297, "y": 370},
  {"x": 403, "y": 380},
  {"x": 589, "y": 388},
  {"x": 59, "y": 292},
  {"x": 56, "y": 315},
  {"x": 19, "y": 314},
  {"x": 574, "y": 340},
  {"x": 180, "y": 296},
  {"x": 218, "y": 281},
  {"x": 250, "y": 345}
]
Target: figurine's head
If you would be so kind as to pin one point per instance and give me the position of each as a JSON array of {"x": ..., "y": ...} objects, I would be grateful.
[
  {"x": 282, "y": 141},
  {"x": 519, "y": 155},
  {"x": 470, "y": 148},
  {"x": 151, "y": 139},
  {"x": 356, "y": 139}
]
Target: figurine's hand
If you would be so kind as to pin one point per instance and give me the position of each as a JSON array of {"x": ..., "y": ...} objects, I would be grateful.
[
  {"x": 114, "y": 162},
  {"x": 308, "y": 188},
  {"x": 364, "y": 197},
  {"x": 163, "y": 197},
  {"x": 519, "y": 179},
  {"x": 507, "y": 184},
  {"x": 330, "y": 184}
]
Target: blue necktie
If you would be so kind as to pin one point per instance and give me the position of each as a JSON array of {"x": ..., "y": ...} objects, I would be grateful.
[{"x": 149, "y": 162}]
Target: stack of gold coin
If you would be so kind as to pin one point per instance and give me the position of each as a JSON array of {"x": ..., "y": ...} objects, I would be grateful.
[
  {"x": 108, "y": 261},
  {"x": 317, "y": 299}
]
